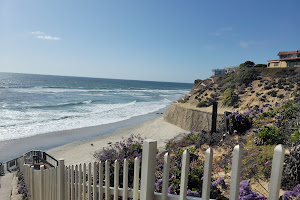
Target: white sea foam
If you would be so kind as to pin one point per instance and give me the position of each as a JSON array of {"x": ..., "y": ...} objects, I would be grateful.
[{"x": 25, "y": 124}]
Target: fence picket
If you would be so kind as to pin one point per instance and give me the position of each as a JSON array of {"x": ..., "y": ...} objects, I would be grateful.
[
  {"x": 94, "y": 181},
  {"x": 89, "y": 182},
  {"x": 66, "y": 183},
  {"x": 84, "y": 182},
  {"x": 60, "y": 186},
  {"x": 136, "y": 176},
  {"x": 100, "y": 180},
  {"x": 76, "y": 182},
  {"x": 184, "y": 174},
  {"x": 107, "y": 179},
  {"x": 235, "y": 173},
  {"x": 148, "y": 169},
  {"x": 276, "y": 172},
  {"x": 32, "y": 181},
  {"x": 207, "y": 174},
  {"x": 116, "y": 180},
  {"x": 72, "y": 182},
  {"x": 166, "y": 176},
  {"x": 80, "y": 183},
  {"x": 125, "y": 180},
  {"x": 42, "y": 167}
]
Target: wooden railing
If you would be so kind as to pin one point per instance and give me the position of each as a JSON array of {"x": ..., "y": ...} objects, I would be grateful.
[{"x": 81, "y": 182}]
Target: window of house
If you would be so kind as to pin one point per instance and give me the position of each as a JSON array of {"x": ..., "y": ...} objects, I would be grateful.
[
  {"x": 275, "y": 64},
  {"x": 298, "y": 55}
]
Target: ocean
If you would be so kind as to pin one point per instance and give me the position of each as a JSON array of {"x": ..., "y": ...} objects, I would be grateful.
[{"x": 37, "y": 104}]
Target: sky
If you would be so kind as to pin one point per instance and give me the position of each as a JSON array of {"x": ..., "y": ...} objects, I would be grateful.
[{"x": 158, "y": 40}]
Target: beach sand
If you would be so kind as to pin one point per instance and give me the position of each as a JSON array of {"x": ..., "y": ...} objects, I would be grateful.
[{"x": 82, "y": 151}]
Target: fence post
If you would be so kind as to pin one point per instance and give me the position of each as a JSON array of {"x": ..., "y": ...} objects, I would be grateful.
[
  {"x": 60, "y": 185},
  {"x": 214, "y": 117},
  {"x": 42, "y": 181},
  {"x": 207, "y": 174},
  {"x": 166, "y": 176},
  {"x": 148, "y": 169},
  {"x": 136, "y": 178},
  {"x": 235, "y": 173},
  {"x": 32, "y": 182},
  {"x": 125, "y": 180},
  {"x": 184, "y": 174},
  {"x": 276, "y": 173}
]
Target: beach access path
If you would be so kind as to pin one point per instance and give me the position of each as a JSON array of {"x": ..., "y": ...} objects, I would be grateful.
[{"x": 82, "y": 151}]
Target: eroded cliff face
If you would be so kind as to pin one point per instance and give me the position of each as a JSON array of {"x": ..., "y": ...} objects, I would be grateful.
[{"x": 187, "y": 118}]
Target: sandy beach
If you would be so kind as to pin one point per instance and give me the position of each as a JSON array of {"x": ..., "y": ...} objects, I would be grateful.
[{"x": 82, "y": 151}]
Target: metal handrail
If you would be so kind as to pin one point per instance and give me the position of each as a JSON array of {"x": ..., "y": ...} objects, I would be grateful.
[{"x": 34, "y": 157}]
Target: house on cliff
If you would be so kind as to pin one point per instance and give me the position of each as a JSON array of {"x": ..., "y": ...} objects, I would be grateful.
[{"x": 286, "y": 59}]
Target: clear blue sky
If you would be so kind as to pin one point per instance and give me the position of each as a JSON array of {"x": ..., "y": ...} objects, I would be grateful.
[{"x": 160, "y": 40}]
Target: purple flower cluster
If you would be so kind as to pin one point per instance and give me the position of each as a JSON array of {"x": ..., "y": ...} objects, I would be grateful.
[
  {"x": 246, "y": 193},
  {"x": 219, "y": 182},
  {"x": 294, "y": 194},
  {"x": 158, "y": 185},
  {"x": 22, "y": 188},
  {"x": 171, "y": 190},
  {"x": 192, "y": 193},
  {"x": 129, "y": 148}
]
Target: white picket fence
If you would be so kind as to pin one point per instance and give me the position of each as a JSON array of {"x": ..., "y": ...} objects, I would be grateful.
[{"x": 70, "y": 182}]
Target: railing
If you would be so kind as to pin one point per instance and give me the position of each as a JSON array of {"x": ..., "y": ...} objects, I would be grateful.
[
  {"x": 31, "y": 157},
  {"x": 1, "y": 169},
  {"x": 86, "y": 180}
]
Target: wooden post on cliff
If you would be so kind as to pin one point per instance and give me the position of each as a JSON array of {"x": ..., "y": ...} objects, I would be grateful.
[
  {"x": 226, "y": 121},
  {"x": 214, "y": 117}
]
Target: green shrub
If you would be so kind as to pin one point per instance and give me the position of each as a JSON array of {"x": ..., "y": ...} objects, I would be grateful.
[
  {"x": 295, "y": 136},
  {"x": 229, "y": 98},
  {"x": 201, "y": 104},
  {"x": 272, "y": 135},
  {"x": 246, "y": 76}
]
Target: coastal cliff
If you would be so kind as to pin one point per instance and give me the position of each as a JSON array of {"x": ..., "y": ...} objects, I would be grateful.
[{"x": 247, "y": 89}]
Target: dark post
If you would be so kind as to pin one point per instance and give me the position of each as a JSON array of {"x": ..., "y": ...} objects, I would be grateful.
[
  {"x": 226, "y": 121},
  {"x": 214, "y": 117}
]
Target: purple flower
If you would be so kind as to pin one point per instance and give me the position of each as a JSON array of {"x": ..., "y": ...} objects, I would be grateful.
[
  {"x": 171, "y": 190},
  {"x": 288, "y": 195},
  {"x": 158, "y": 185},
  {"x": 238, "y": 117},
  {"x": 161, "y": 166},
  {"x": 246, "y": 193},
  {"x": 192, "y": 193},
  {"x": 220, "y": 181},
  {"x": 266, "y": 162},
  {"x": 260, "y": 110}
]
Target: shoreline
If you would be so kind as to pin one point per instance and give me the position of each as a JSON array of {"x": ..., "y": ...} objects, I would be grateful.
[
  {"x": 82, "y": 151},
  {"x": 11, "y": 149}
]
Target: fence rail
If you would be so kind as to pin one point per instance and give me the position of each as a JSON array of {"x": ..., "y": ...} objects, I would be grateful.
[{"x": 92, "y": 180}]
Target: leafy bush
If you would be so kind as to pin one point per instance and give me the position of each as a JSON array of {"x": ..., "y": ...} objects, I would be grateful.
[
  {"x": 229, "y": 98},
  {"x": 291, "y": 169},
  {"x": 246, "y": 76},
  {"x": 201, "y": 104},
  {"x": 295, "y": 136},
  {"x": 272, "y": 135},
  {"x": 129, "y": 148},
  {"x": 239, "y": 122}
]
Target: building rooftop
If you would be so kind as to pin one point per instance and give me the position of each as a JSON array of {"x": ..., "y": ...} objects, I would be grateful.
[{"x": 288, "y": 52}]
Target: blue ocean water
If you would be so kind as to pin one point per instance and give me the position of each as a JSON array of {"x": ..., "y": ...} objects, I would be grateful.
[{"x": 37, "y": 104}]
